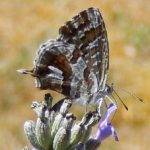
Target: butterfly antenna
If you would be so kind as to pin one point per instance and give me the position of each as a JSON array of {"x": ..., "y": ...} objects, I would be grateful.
[
  {"x": 125, "y": 106},
  {"x": 131, "y": 94},
  {"x": 114, "y": 99}
]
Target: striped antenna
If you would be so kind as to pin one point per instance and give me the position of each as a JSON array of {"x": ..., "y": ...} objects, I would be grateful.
[
  {"x": 125, "y": 106},
  {"x": 131, "y": 94}
]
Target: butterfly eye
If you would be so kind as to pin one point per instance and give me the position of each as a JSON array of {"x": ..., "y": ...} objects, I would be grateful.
[{"x": 109, "y": 89}]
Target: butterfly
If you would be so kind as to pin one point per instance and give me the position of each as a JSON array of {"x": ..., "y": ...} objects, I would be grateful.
[{"x": 76, "y": 63}]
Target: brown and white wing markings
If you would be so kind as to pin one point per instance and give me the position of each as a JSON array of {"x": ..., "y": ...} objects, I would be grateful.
[
  {"x": 52, "y": 66},
  {"x": 76, "y": 63},
  {"x": 88, "y": 33}
]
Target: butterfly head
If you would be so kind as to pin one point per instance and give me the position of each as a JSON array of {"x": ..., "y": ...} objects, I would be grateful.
[{"x": 109, "y": 89}]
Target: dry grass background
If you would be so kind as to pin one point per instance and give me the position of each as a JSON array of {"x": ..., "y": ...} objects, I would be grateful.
[{"x": 25, "y": 24}]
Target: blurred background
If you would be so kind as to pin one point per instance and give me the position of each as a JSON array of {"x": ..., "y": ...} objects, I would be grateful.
[{"x": 25, "y": 24}]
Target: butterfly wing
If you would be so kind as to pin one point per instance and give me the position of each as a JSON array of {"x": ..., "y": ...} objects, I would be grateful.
[
  {"x": 88, "y": 33},
  {"x": 76, "y": 63}
]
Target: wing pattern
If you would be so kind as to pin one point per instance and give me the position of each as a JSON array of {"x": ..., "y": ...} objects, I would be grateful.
[{"x": 76, "y": 63}]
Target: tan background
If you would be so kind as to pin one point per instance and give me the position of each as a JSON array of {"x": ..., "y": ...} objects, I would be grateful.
[{"x": 25, "y": 24}]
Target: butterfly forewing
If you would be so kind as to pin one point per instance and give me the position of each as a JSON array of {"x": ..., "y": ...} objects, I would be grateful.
[{"x": 88, "y": 33}]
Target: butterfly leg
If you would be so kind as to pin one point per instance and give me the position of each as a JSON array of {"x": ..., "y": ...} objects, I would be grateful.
[
  {"x": 99, "y": 107},
  {"x": 109, "y": 99},
  {"x": 86, "y": 108}
]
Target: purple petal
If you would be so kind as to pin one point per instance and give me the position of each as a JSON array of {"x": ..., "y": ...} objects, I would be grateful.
[
  {"x": 110, "y": 109},
  {"x": 105, "y": 127},
  {"x": 34, "y": 148},
  {"x": 114, "y": 133}
]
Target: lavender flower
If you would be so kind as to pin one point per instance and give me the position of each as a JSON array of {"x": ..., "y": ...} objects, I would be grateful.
[
  {"x": 56, "y": 129},
  {"x": 105, "y": 127}
]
